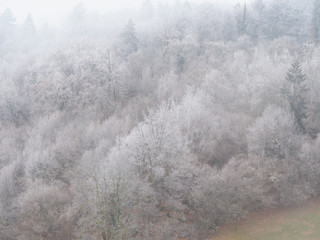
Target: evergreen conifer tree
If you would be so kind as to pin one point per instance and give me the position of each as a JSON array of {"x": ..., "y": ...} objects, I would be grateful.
[
  {"x": 242, "y": 22},
  {"x": 130, "y": 37},
  {"x": 295, "y": 91},
  {"x": 28, "y": 29}
]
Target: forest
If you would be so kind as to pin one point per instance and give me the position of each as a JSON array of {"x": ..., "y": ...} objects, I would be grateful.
[{"x": 158, "y": 124}]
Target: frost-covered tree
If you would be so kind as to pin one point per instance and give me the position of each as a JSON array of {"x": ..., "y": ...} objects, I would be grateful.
[
  {"x": 40, "y": 213},
  {"x": 274, "y": 135},
  {"x": 160, "y": 137},
  {"x": 288, "y": 18}
]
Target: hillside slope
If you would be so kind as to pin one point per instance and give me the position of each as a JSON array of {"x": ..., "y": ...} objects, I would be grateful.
[{"x": 300, "y": 222}]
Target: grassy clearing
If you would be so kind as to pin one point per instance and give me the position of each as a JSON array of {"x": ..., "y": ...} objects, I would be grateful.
[{"x": 300, "y": 222}]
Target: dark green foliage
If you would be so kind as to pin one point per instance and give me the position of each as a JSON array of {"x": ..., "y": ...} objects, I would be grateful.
[{"x": 295, "y": 91}]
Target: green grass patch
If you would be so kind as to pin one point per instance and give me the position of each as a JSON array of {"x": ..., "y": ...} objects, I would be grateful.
[{"x": 300, "y": 222}]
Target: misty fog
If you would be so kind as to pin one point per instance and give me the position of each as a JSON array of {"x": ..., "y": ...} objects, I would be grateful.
[{"x": 155, "y": 120}]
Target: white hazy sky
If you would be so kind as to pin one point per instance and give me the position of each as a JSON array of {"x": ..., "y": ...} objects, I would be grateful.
[{"x": 49, "y": 11}]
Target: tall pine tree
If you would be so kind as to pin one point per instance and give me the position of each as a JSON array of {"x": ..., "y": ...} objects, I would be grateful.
[
  {"x": 28, "y": 29},
  {"x": 243, "y": 22},
  {"x": 77, "y": 20},
  {"x": 130, "y": 38},
  {"x": 295, "y": 91}
]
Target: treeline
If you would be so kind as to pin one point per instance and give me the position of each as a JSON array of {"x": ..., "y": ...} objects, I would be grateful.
[{"x": 188, "y": 117}]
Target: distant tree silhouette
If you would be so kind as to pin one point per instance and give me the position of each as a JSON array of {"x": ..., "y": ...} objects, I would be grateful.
[
  {"x": 316, "y": 22},
  {"x": 7, "y": 25},
  {"x": 242, "y": 22},
  {"x": 78, "y": 19},
  {"x": 130, "y": 38},
  {"x": 147, "y": 10},
  {"x": 28, "y": 29}
]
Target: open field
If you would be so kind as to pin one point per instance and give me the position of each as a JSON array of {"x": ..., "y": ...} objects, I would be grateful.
[{"x": 301, "y": 222}]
